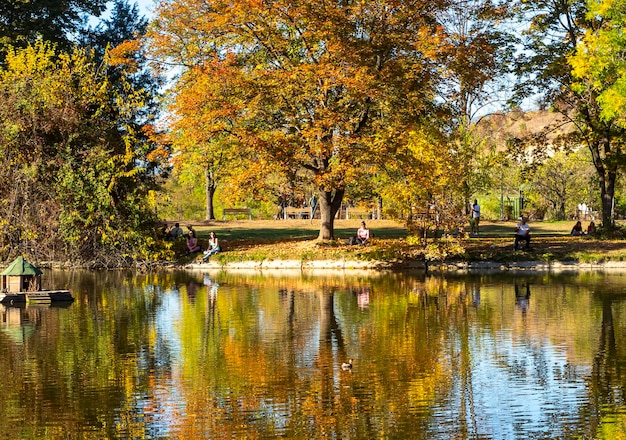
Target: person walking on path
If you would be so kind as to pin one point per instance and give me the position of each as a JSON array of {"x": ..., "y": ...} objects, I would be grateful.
[{"x": 475, "y": 218}]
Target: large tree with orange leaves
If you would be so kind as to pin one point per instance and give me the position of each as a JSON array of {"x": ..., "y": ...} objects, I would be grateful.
[{"x": 324, "y": 86}]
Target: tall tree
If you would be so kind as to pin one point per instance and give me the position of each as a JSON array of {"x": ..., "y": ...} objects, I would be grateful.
[
  {"x": 555, "y": 30},
  {"x": 23, "y": 22},
  {"x": 560, "y": 183},
  {"x": 74, "y": 182},
  {"x": 480, "y": 52},
  {"x": 311, "y": 84},
  {"x": 117, "y": 37}
]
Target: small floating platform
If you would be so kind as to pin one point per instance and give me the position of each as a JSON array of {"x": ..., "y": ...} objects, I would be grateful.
[
  {"x": 21, "y": 284},
  {"x": 37, "y": 297}
]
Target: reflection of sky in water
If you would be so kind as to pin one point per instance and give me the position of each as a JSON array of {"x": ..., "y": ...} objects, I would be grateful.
[
  {"x": 518, "y": 388},
  {"x": 505, "y": 384},
  {"x": 166, "y": 405},
  {"x": 167, "y": 324}
]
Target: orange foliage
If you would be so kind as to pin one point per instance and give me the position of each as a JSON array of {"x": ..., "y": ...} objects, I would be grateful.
[
  {"x": 302, "y": 84},
  {"x": 124, "y": 54}
]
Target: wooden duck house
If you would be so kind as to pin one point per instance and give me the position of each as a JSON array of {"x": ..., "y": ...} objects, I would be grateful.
[{"x": 21, "y": 282}]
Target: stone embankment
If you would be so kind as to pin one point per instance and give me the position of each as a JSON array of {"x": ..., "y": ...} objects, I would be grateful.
[{"x": 478, "y": 266}]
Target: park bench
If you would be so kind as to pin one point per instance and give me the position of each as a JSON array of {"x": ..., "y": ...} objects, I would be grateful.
[
  {"x": 236, "y": 211},
  {"x": 297, "y": 212}
]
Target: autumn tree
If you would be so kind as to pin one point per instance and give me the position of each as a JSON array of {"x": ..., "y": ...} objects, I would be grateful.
[
  {"x": 205, "y": 147},
  {"x": 598, "y": 62},
  {"x": 426, "y": 179},
  {"x": 555, "y": 31},
  {"x": 480, "y": 49},
  {"x": 310, "y": 85},
  {"x": 74, "y": 183}
]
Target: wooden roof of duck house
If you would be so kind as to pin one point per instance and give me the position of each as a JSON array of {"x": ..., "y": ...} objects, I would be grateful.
[{"x": 21, "y": 276}]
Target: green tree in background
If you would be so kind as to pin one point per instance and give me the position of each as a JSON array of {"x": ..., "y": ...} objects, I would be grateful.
[
  {"x": 554, "y": 31},
  {"x": 23, "y": 22},
  {"x": 560, "y": 183},
  {"x": 74, "y": 183}
]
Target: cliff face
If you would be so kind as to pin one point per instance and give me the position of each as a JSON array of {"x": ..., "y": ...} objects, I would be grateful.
[{"x": 527, "y": 128}]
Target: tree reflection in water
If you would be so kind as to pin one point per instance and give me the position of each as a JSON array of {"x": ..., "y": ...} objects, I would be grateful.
[{"x": 256, "y": 355}]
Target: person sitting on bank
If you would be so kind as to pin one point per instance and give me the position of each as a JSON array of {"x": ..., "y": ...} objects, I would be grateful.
[
  {"x": 522, "y": 233},
  {"x": 591, "y": 229},
  {"x": 363, "y": 235},
  {"x": 213, "y": 248},
  {"x": 192, "y": 243},
  {"x": 577, "y": 230},
  {"x": 175, "y": 232}
]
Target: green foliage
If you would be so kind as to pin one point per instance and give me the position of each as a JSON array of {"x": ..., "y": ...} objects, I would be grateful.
[
  {"x": 553, "y": 65},
  {"x": 597, "y": 64},
  {"x": 561, "y": 182},
  {"x": 24, "y": 22},
  {"x": 73, "y": 186}
]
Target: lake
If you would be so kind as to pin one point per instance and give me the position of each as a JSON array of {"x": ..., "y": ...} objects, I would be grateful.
[{"x": 212, "y": 355}]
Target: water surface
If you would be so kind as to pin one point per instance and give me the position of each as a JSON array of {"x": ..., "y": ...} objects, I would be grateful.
[{"x": 195, "y": 355}]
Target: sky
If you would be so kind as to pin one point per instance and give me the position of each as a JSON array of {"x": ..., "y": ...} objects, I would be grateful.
[{"x": 146, "y": 7}]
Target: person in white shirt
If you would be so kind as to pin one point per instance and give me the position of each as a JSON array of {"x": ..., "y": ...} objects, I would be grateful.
[
  {"x": 214, "y": 247},
  {"x": 475, "y": 219},
  {"x": 363, "y": 235},
  {"x": 522, "y": 233}
]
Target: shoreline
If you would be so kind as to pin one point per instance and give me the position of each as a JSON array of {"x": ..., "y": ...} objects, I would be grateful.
[{"x": 439, "y": 267}]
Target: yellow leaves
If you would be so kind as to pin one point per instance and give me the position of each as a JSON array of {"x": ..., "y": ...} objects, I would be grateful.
[
  {"x": 602, "y": 7},
  {"x": 598, "y": 62},
  {"x": 36, "y": 58}
]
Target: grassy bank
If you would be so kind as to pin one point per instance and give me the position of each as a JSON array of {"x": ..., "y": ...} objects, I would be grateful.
[{"x": 258, "y": 240}]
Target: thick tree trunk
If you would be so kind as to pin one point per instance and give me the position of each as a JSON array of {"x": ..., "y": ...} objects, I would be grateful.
[
  {"x": 607, "y": 193},
  {"x": 209, "y": 190},
  {"x": 562, "y": 214},
  {"x": 607, "y": 175},
  {"x": 329, "y": 203}
]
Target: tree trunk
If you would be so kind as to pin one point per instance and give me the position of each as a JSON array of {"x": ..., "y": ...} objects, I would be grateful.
[
  {"x": 209, "y": 190},
  {"x": 329, "y": 203},
  {"x": 607, "y": 193},
  {"x": 607, "y": 174},
  {"x": 562, "y": 214}
]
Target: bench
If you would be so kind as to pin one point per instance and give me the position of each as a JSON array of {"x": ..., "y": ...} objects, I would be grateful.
[
  {"x": 357, "y": 213},
  {"x": 297, "y": 212},
  {"x": 235, "y": 211}
]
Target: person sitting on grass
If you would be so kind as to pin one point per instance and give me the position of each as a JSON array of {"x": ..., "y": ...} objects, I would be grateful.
[
  {"x": 174, "y": 233},
  {"x": 363, "y": 235},
  {"x": 522, "y": 233},
  {"x": 591, "y": 229},
  {"x": 192, "y": 243},
  {"x": 577, "y": 230},
  {"x": 214, "y": 247}
]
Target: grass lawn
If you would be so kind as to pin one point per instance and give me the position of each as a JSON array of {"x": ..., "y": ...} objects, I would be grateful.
[{"x": 257, "y": 240}]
